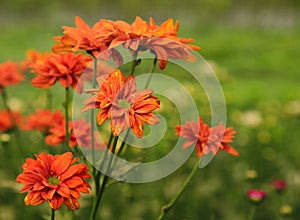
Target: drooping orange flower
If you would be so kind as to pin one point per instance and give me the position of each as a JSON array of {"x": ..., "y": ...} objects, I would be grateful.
[
  {"x": 161, "y": 40},
  {"x": 9, "y": 119},
  {"x": 127, "y": 107},
  {"x": 10, "y": 74},
  {"x": 55, "y": 179},
  {"x": 43, "y": 120},
  {"x": 206, "y": 139},
  {"x": 65, "y": 68},
  {"x": 57, "y": 134}
]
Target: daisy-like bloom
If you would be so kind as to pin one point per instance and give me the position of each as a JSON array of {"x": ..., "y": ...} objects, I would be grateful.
[
  {"x": 10, "y": 74},
  {"x": 205, "y": 138},
  {"x": 55, "y": 179},
  {"x": 9, "y": 120},
  {"x": 42, "y": 120},
  {"x": 256, "y": 196},
  {"x": 65, "y": 68},
  {"x": 279, "y": 185},
  {"x": 127, "y": 107},
  {"x": 57, "y": 134}
]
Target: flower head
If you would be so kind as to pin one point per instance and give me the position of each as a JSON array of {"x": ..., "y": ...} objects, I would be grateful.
[
  {"x": 206, "y": 139},
  {"x": 57, "y": 134},
  {"x": 256, "y": 196},
  {"x": 81, "y": 132},
  {"x": 65, "y": 68},
  {"x": 127, "y": 107},
  {"x": 42, "y": 120},
  {"x": 279, "y": 185},
  {"x": 94, "y": 40},
  {"x": 33, "y": 56},
  {"x": 160, "y": 40},
  {"x": 10, "y": 74},
  {"x": 55, "y": 179},
  {"x": 8, "y": 120}
]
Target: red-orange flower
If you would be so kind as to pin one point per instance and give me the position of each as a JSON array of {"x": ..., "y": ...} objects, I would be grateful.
[
  {"x": 161, "y": 40},
  {"x": 127, "y": 107},
  {"x": 94, "y": 40},
  {"x": 206, "y": 139},
  {"x": 10, "y": 74},
  {"x": 65, "y": 68},
  {"x": 31, "y": 57},
  {"x": 82, "y": 134},
  {"x": 9, "y": 119},
  {"x": 57, "y": 134},
  {"x": 55, "y": 179},
  {"x": 42, "y": 120}
]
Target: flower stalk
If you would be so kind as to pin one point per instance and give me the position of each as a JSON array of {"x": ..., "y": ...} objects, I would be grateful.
[
  {"x": 92, "y": 116},
  {"x": 67, "y": 116},
  {"x": 104, "y": 181},
  {"x": 52, "y": 214},
  {"x": 166, "y": 208}
]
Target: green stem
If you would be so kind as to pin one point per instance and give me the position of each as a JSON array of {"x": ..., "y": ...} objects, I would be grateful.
[
  {"x": 52, "y": 214},
  {"x": 252, "y": 212},
  {"x": 104, "y": 180},
  {"x": 151, "y": 72},
  {"x": 92, "y": 118},
  {"x": 14, "y": 123},
  {"x": 98, "y": 173},
  {"x": 4, "y": 99},
  {"x": 67, "y": 116},
  {"x": 166, "y": 208},
  {"x": 49, "y": 99},
  {"x": 133, "y": 63}
]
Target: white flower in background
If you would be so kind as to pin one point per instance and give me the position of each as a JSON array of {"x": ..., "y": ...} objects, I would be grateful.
[
  {"x": 292, "y": 107},
  {"x": 251, "y": 118}
]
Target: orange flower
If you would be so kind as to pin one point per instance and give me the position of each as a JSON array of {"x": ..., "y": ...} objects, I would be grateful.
[
  {"x": 9, "y": 120},
  {"x": 95, "y": 40},
  {"x": 65, "y": 68},
  {"x": 10, "y": 74},
  {"x": 31, "y": 57},
  {"x": 119, "y": 100},
  {"x": 57, "y": 134},
  {"x": 42, "y": 120},
  {"x": 55, "y": 179},
  {"x": 206, "y": 139},
  {"x": 161, "y": 40},
  {"x": 82, "y": 134}
]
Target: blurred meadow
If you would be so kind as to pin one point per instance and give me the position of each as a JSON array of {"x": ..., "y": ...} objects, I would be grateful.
[{"x": 254, "y": 49}]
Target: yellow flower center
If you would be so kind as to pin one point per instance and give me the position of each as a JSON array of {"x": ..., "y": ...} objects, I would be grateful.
[
  {"x": 124, "y": 103},
  {"x": 53, "y": 180}
]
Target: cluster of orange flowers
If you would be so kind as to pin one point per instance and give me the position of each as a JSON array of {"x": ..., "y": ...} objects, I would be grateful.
[
  {"x": 105, "y": 35},
  {"x": 56, "y": 179}
]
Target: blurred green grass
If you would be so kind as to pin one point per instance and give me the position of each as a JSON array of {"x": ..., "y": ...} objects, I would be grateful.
[{"x": 261, "y": 74}]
